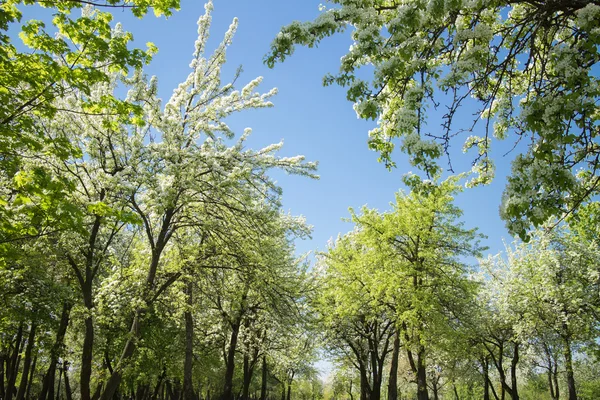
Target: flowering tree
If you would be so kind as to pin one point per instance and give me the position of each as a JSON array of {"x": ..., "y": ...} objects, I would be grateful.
[
  {"x": 529, "y": 66},
  {"x": 141, "y": 185}
]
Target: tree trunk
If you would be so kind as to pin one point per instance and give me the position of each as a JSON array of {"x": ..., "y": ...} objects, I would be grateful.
[
  {"x": 158, "y": 386},
  {"x": 134, "y": 332},
  {"x": 422, "y": 393},
  {"x": 263, "y": 385},
  {"x": 188, "y": 386},
  {"x": 230, "y": 363},
  {"x": 60, "y": 371},
  {"x": 486, "y": 379},
  {"x": 513, "y": 372},
  {"x": 247, "y": 379},
  {"x": 27, "y": 362},
  {"x": 2, "y": 389},
  {"x": 569, "y": 364},
  {"x": 98, "y": 391},
  {"x": 88, "y": 344},
  {"x": 115, "y": 378},
  {"x": 456, "y": 396},
  {"x": 393, "y": 379},
  {"x": 555, "y": 376},
  {"x": 364, "y": 384},
  {"x": 48, "y": 383},
  {"x": 13, "y": 367},
  {"x": 68, "y": 392},
  {"x": 435, "y": 388},
  {"x": 28, "y": 391}
]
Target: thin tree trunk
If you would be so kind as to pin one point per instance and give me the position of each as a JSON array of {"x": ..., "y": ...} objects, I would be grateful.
[
  {"x": 435, "y": 388},
  {"x": 422, "y": 393},
  {"x": 263, "y": 385},
  {"x": 569, "y": 364},
  {"x": 27, "y": 393},
  {"x": 134, "y": 332},
  {"x": 48, "y": 383},
  {"x": 556, "y": 387},
  {"x": 230, "y": 363},
  {"x": 115, "y": 378},
  {"x": 486, "y": 379},
  {"x": 2, "y": 389},
  {"x": 513, "y": 373},
  {"x": 159, "y": 384},
  {"x": 60, "y": 371},
  {"x": 68, "y": 392},
  {"x": 188, "y": 385},
  {"x": 247, "y": 379},
  {"x": 13, "y": 368},
  {"x": 393, "y": 379},
  {"x": 27, "y": 361},
  {"x": 98, "y": 391},
  {"x": 456, "y": 397},
  {"x": 88, "y": 344}
]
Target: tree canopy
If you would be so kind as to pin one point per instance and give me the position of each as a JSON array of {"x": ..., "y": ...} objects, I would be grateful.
[{"x": 524, "y": 70}]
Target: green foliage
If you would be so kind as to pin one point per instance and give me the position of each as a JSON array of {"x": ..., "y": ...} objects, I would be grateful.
[{"x": 528, "y": 69}]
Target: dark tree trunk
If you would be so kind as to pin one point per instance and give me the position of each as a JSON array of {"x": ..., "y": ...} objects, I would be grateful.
[
  {"x": 393, "y": 380},
  {"x": 141, "y": 392},
  {"x": 88, "y": 344},
  {"x": 552, "y": 373},
  {"x": 27, "y": 361},
  {"x": 422, "y": 393},
  {"x": 290, "y": 380},
  {"x": 115, "y": 378},
  {"x": 569, "y": 364},
  {"x": 13, "y": 367},
  {"x": 263, "y": 384},
  {"x": 230, "y": 363},
  {"x": 248, "y": 372},
  {"x": 68, "y": 392},
  {"x": 435, "y": 389},
  {"x": 513, "y": 372},
  {"x": 98, "y": 391},
  {"x": 60, "y": 371},
  {"x": 48, "y": 383},
  {"x": 486, "y": 379},
  {"x": 159, "y": 384},
  {"x": 134, "y": 332},
  {"x": 555, "y": 376},
  {"x": 27, "y": 393},
  {"x": 2, "y": 389},
  {"x": 188, "y": 385},
  {"x": 365, "y": 390},
  {"x": 282, "y": 390}
]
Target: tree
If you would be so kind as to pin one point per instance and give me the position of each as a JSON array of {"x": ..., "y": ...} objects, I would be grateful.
[
  {"x": 550, "y": 287},
  {"x": 527, "y": 67},
  {"x": 138, "y": 194},
  {"x": 398, "y": 277},
  {"x": 84, "y": 53}
]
